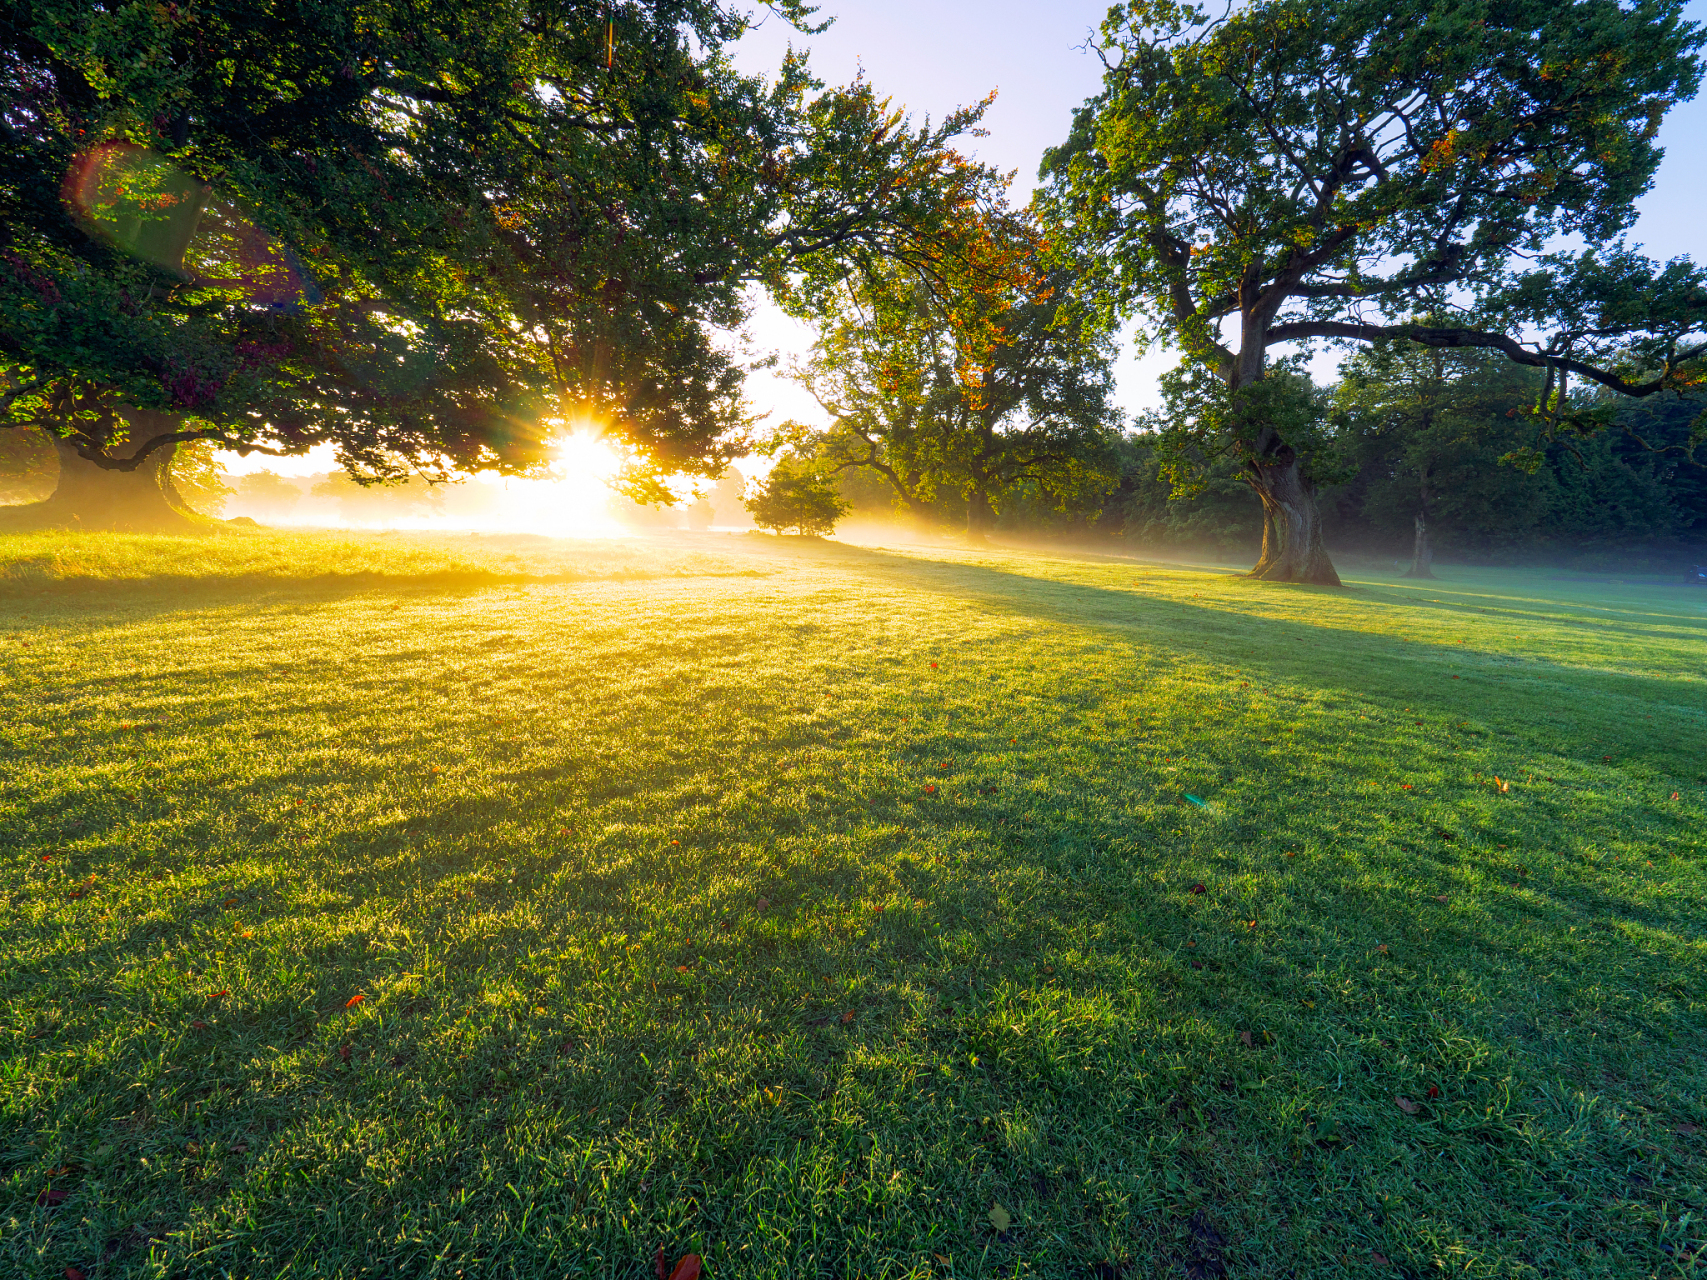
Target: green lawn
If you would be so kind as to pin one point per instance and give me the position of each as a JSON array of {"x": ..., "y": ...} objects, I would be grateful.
[{"x": 428, "y": 906}]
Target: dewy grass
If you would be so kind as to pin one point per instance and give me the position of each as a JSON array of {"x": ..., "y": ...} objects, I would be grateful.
[{"x": 804, "y": 908}]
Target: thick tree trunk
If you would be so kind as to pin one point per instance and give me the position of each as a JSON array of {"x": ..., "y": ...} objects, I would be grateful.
[
  {"x": 1422, "y": 554},
  {"x": 980, "y": 517},
  {"x": 1293, "y": 550},
  {"x": 92, "y": 497}
]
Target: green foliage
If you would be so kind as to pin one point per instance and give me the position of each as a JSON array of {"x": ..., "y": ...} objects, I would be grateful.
[
  {"x": 582, "y": 826},
  {"x": 795, "y": 496},
  {"x": 427, "y": 232},
  {"x": 1302, "y": 169},
  {"x": 196, "y": 475},
  {"x": 1023, "y": 403}
]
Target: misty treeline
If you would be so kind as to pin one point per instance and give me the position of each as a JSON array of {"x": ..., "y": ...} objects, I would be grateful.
[
  {"x": 220, "y": 226},
  {"x": 1436, "y": 438}
]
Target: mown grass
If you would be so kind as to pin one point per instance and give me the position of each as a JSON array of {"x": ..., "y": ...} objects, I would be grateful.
[{"x": 802, "y": 904}]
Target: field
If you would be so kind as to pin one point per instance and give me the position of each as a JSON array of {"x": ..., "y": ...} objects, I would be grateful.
[{"x": 429, "y": 906}]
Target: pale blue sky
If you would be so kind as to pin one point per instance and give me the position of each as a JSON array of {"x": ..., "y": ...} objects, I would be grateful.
[{"x": 934, "y": 55}]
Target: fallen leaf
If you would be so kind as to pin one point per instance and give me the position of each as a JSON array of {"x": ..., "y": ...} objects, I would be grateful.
[
  {"x": 51, "y": 1197},
  {"x": 73, "y": 1273},
  {"x": 1197, "y": 964},
  {"x": 354, "y": 1000},
  {"x": 940, "y": 1259},
  {"x": 847, "y": 1017},
  {"x": 229, "y": 902},
  {"x": 1245, "y": 1036},
  {"x": 681, "y": 968},
  {"x": 933, "y": 666},
  {"x": 343, "y": 1053},
  {"x": 999, "y": 1218},
  {"x": 1686, "y": 1129},
  {"x": 687, "y": 1269},
  {"x": 1380, "y": 1259},
  {"x": 199, "y": 1025},
  {"x": 1198, "y": 888},
  {"x": 764, "y": 904},
  {"x": 1434, "y": 1091},
  {"x": 217, "y": 995},
  {"x": 658, "y": 1263},
  {"x": 1407, "y": 1106}
]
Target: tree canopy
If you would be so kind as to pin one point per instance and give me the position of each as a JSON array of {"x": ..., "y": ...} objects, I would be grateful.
[
  {"x": 425, "y": 232},
  {"x": 1307, "y": 169},
  {"x": 1021, "y": 396}
]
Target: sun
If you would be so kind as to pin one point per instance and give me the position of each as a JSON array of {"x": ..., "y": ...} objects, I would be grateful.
[{"x": 572, "y": 503}]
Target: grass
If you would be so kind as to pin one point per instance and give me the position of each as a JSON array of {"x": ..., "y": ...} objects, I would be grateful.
[{"x": 391, "y": 906}]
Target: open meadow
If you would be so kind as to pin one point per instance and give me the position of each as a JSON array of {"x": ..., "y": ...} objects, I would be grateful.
[{"x": 409, "y": 906}]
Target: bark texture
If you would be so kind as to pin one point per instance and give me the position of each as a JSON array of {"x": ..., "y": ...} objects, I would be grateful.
[
  {"x": 980, "y": 517},
  {"x": 89, "y": 496},
  {"x": 1422, "y": 553},
  {"x": 1292, "y": 546}
]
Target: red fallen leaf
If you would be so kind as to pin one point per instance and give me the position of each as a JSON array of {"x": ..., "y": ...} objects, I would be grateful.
[
  {"x": 354, "y": 1000},
  {"x": 1405, "y": 786},
  {"x": 47, "y": 857},
  {"x": 658, "y": 1263},
  {"x": 681, "y": 968},
  {"x": 199, "y": 1025},
  {"x": 1246, "y": 1037},
  {"x": 675, "y": 842},
  {"x": 1454, "y": 677},
  {"x": 688, "y": 1268},
  {"x": 930, "y": 788},
  {"x": 73, "y": 1273},
  {"x": 1407, "y": 1106},
  {"x": 1198, "y": 888},
  {"x": 1673, "y": 794},
  {"x": 1434, "y": 1091},
  {"x": 847, "y": 1017},
  {"x": 49, "y": 1196},
  {"x": 215, "y": 995},
  {"x": 933, "y": 666},
  {"x": 343, "y": 1053}
]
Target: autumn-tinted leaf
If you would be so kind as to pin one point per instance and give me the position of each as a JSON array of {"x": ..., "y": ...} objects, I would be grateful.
[
  {"x": 1407, "y": 1106},
  {"x": 1198, "y": 888},
  {"x": 687, "y": 1269}
]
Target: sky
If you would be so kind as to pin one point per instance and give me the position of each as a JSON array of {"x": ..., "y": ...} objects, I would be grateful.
[{"x": 931, "y": 56}]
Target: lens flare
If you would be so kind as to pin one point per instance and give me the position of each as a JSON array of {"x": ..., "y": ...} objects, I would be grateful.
[{"x": 142, "y": 204}]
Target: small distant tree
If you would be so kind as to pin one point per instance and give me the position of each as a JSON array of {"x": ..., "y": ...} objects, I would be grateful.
[
  {"x": 796, "y": 498},
  {"x": 268, "y": 493}
]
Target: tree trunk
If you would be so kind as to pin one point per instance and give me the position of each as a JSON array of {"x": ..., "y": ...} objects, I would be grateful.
[
  {"x": 91, "y": 497},
  {"x": 1293, "y": 550},
  {"x": 1422, "y": 554},
  {"x": 980, "y": 517}
]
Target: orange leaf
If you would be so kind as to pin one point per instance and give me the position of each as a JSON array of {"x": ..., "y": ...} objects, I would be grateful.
[
  {"x": 687, "y": 1269},
  {"x": 218, "y": 994},
  {"x": 354, "y": 1000},
  {"x": 847, "y": 1017},
  {"x": 681, "y": 968}
]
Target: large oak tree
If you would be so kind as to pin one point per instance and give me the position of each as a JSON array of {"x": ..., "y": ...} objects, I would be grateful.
[
  {"x": 423, "y": 232},
  {"x": 1306, "y": 169}
]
